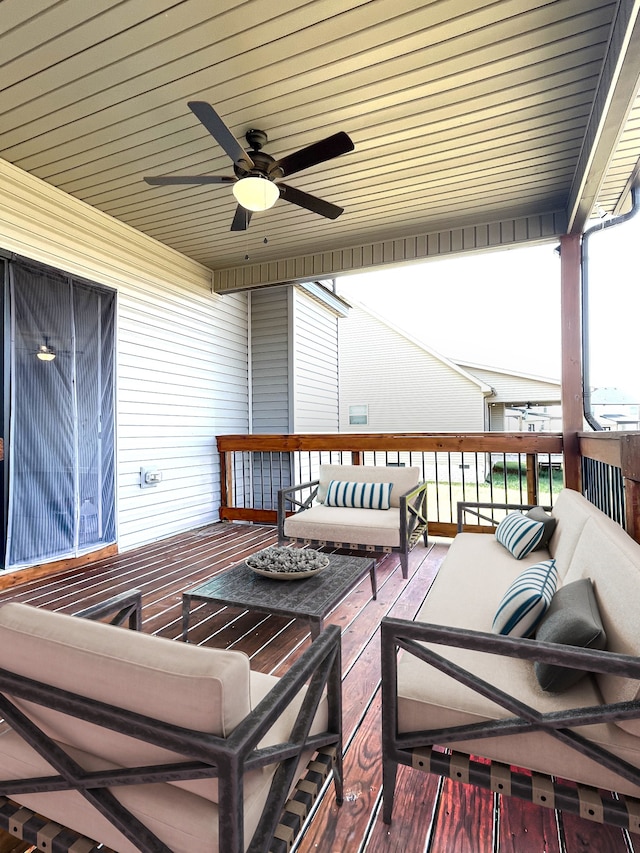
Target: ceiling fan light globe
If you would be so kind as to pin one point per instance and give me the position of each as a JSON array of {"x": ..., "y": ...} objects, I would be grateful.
[
  {"x": 45, "y": 353},
  {"x": 255, "y": 193}
]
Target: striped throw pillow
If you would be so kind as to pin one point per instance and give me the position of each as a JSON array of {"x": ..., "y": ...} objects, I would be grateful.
[
  {"x": 526, "y": 601},
  {"x": 359, "y": 495},
  {"x": 519, "y": 534}
]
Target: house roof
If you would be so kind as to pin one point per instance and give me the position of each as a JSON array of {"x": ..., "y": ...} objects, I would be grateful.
[
  {"x": 486, "y": 389},
  {"x": 504, "y": 371},
  {"x": 476, "y": 123}
]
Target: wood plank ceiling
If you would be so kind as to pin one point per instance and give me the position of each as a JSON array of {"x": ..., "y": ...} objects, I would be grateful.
[{"x": 463, "y": 112}]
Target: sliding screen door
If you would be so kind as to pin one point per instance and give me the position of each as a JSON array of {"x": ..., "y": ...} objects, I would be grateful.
[{"x": 61, "y": 432}]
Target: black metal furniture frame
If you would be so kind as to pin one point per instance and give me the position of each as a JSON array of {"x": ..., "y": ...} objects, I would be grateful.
[
  {"x": 416, "y": 748},
  {"x": 413, "y": 521},
  {"x": 206, "y": 756},
  {"x": 474, "y": 508}
]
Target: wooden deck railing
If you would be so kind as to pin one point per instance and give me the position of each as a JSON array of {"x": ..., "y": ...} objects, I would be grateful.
[
  {"x": 501, "y": 467},
  {"x": 611, "y": 475}
]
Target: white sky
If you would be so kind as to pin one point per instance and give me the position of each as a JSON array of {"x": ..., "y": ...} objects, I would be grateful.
[{"x": 503, "y": 308}]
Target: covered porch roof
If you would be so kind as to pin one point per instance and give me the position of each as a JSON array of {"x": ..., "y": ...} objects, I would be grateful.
[{"x": 476, "y": 124}]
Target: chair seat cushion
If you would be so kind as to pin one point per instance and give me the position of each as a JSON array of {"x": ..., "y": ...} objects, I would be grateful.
[{"x": 351, "y": 526}]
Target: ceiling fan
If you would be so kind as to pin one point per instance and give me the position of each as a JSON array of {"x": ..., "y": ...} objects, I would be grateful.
[{"x": 257, "y": 181}]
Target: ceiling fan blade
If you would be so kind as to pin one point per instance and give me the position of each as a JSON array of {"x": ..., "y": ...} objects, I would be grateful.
[
  {"x": 310, "y": 202},
  {"x": 221, "y": 133},
  {"x": 165, "y": 180},
  {"x": 241, "y": 219},
  {"x": 319, "y": 152}
]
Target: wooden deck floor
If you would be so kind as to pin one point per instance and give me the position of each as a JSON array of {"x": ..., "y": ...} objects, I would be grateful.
[{"x": 430, "y": 815}]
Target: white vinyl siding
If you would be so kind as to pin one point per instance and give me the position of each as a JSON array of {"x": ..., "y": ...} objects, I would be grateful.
[
  {"x": 182, "y": 373},
  {"x": 315, "y": 370},
  {"x": 516, "y": 388},
  {"x": 406, "y": 388},
  {"x": 182, "y": 379},
  {"x": 270, "y": 360}
]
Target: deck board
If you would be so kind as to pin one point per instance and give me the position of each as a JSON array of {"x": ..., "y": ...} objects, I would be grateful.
[{"x": 429, "y": 814}]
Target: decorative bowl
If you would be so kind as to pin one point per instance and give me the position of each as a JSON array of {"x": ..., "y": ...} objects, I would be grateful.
[{"x": 287, "y": 564}]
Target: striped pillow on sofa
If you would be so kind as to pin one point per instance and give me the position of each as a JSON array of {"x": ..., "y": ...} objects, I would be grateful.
[
  {"x": 526, "y": 601},
  {"x": 519, "y": 534},
  {"x": 359, "y": 495}
]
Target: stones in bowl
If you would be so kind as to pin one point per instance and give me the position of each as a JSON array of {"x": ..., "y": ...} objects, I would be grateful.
[{"x": 287, "y": 563}]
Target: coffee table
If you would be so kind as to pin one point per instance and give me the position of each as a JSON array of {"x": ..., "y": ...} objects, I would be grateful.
[{"x": 309, "y": 598}]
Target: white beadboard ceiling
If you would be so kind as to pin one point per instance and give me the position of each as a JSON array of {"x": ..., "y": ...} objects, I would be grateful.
[{"x": 464, "y": 113}]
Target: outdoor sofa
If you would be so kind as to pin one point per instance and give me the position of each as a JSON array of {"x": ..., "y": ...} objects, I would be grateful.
[
  {"x": 137, "y": 742},
  {"x": 369, "y": 508},
  {"x": 563, "y": 703}
]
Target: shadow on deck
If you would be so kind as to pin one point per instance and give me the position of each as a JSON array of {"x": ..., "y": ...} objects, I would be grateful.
[{"x": 430, "y": 814}]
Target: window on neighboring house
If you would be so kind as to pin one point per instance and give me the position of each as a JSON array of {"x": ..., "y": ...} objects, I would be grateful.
[{"x": 359, "y": 414}]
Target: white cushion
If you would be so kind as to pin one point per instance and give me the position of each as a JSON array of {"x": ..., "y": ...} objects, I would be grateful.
[{"x": 526, "y": 601}]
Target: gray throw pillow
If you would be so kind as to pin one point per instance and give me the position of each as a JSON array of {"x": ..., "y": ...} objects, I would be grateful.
[
  {"x": 537, "y": 513},
  {"x": 573, "y": 619}
]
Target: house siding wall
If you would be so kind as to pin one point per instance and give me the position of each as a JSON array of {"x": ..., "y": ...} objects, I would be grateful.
[
  {"x": 270, "y": 356},
  {"x": 405, "y": 387},
  {"x": 181, "y": 353},
  {"x": 315, "y": 369}
]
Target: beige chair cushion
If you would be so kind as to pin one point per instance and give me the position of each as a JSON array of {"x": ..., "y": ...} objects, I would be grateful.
[
  {"x": 202, "y": 689},
  {"x": 350, "y": 526},
  {"x": 403, "y": 479}
]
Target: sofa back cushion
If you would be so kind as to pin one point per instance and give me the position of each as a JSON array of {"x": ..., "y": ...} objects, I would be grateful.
[
  {"x": 402, "y": 479},
  {"x": 611, "y": 559},
  {"x": 571, "y": 511},
  {"x": 203, "y": 689}
]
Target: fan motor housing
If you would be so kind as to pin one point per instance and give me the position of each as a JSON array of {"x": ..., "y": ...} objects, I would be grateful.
[{"x": 264, "y": 164}]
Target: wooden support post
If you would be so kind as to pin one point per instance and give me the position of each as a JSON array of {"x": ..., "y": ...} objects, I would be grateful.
[
  {"x": 571, "y": 392},
  {"x": 532, "y": 478},
  {"x": 226, "y": 483},
  {"x": 630, "y": 464}
]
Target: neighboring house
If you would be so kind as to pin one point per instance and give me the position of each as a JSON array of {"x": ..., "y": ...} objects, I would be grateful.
[
  {"x": 615, "y": 409},
  {"x": 391, "y": 382},
  {"x": 520, "y": 402}
]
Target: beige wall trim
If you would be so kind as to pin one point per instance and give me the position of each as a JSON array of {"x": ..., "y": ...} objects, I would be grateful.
[
  {"x": 46, "y": 224},
  {"x": 495, "y": 235}
]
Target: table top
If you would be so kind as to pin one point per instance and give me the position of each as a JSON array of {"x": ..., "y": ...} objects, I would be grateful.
[{"x": 313, "y": 596}]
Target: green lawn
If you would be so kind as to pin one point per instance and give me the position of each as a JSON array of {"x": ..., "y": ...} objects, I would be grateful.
[{"x": 443, "y": 498}]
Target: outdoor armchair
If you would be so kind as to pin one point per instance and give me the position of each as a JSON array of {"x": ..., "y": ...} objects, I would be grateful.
[
  {"x": 307, "y": 514},
  {"x": 142, "y": 743}
]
